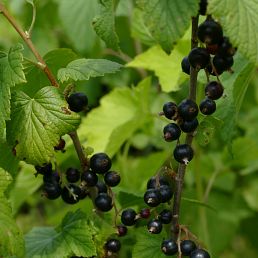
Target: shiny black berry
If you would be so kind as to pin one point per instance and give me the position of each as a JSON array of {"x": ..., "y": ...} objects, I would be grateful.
[
  {"x": 226, "y": 48},
  {"x": 165, "y": 193},
  {"x": 183, "y": 153},
  {"x": 187, "y": 247},
  {"x": 222, "y": 63},
  {"x": 171, "y": 132},
  {"x": 199, "y": 58},
  {"x": 113, "y": 245},
  {"x": 203, "y": 7},
  {"x": 169, "y": 247},
  {"x": 52, "y": 190},
  {"x": 188, "y": 110},
  {"x": 100, "y": 163},
  {"x": 170, "y": 110},
  {"x": 128, "y": 217},
  {"x": 71, "y": 194},
  {"x": 207, "y": 106},
  {"x": 112, "y": 178},
  {"x": 45, "y": 169},
  {"x": 61, "y": 145},
  {"x": 152, "y": 197},
  {"x": 72, "y": 175},
  {"x": 90, "y": 178},
  {"x": 101, "y": 186},
  {"x": 145, "y": 213},
  {"x": 103, "y": 202},
  {"x": 214, "y": 90},
  {"x": 51, "y": 178},
  {"x": 165, "y": 216},
  {"x": 199, "y": 253},
  {"x": 189, "y": 126},
  {"x": 185, "y": 65},
  {"x": 77, "y": 101},
  {"x": 154, "y": 226},
  {"x": 210, "y": 32},
  {"x": 121, "y": 230},
  {"x": 154, "y": 182}
]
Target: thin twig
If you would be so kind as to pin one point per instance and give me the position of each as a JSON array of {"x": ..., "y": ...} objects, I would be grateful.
[{"x": 34, "y": 12}]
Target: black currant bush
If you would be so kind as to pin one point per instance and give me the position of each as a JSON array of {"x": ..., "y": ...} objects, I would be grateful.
[{"x": 128, "y": 128}]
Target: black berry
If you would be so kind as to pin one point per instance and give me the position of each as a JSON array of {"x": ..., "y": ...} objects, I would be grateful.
[
  {"x": 72, "y": 175},
  {"x": 52, "y": 190},
  {"x": 90, "y": 178},
  {"x": 165, "y": 193},
  {"x": 170, "y": 110},
  {"x": 128, "y": 217},
  {"x": 154, "y": 182},
  {"x": 152, "y": 197},
  {"x": 77, "y": 101},
  {"x": 169, "y": 247},
  {"x": 71, "y": 194},
  {"x": 222, "y": 63},
  {"x": 46, "y": 169},
  {"x": 214, "y": 90},
  {"x": 103, "y": 202},
  {"x": 51, "y": 178},
  {"x": 183, "y": 153},
  {"x": 165, "y": 216},
  {"x": 189, "y": 126},
  {"x": 199, "y": 58},
  {"x": 101, "y": 186},
  {"x": 185, "y": 65},
  {"x": 171, "y": 132},
  {"x": 121, "y": 230},
  {"x": 154, "y": 226},
  {"x": 113, "y": 245},
  {"x": 203, "y": 7},
  {"x": 145, "y": 213},
  {"x": 226, "y": 48},
  {"x": 187, "y": 247},
  {"x": 188, "y": 110},
  {"x": 199, "y": 253},
  {"x": 207, "y": 106},
  {"x": 112, "y": 178},
  {"x": 100, "y": 163}
]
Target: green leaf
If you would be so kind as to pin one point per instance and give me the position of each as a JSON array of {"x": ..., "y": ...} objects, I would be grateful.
[
  {"x": 83, "y": 69},
  {"x": 41, "y": 121},
  {"x": 127, "y": 199},
  {"x": 104, "y": 24},
  {"x": 11, "y": 73},
  {"x": 168, "y": 20},
  {"x": 11, "y": 240},
  {"x": 240, "y": 23},
  {"x": 120, "y": 113},
  {"x": 250, "y": 194},
  {"x": 73, "y": 237}
]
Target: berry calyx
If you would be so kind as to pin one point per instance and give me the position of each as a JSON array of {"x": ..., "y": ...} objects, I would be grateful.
[
  {"x": 207, "y": 106},
  {"x": 165, "y": 193},
  {"x": 103, "y": 202},
  {"x": 121, "y": 230},
  {"x": 77, "y": 101},
  {"x": 169, "y": 247},
  {"x": 165, "y": 216},
  {"x": 170, "y": 110},
  {"x": 185, "y": 65},
  {"x": 171, "y": 132},
  {"x": 183, "y": 153},
  {"x": 90, "y": 178},
  {"x": 154, "y": 182},
  {"x": 71, "y": 194},
  {"x": 187, "y": 247},
  {"x": 128, "y": 217},
  {"x": 100, "y": 163},
  {"x": 189, "y": 126},
  {"x": 145, "y": 213},
  {"x": 72, "y": 175},
  {"x": 113, "y": 245},
  {"x": 214, "y": 90},
  {"x": 112, "y": 178},
  {"x": 152, "y": 197},
  {"x": 154, "y": 226},
  {"x": 199, "y": 253},
  {"x": 199, "y": 58},
  {"x": 188, "y": 110}
]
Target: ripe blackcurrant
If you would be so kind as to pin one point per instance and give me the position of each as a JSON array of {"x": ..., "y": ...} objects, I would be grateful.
[
  {"x": 77, "y": 101},
  {"x": 154, "y": 182},
  {"x": 183, "y": 153},
  {"x": 152, "y": 197},
  {"x": 60, "y": 145},
  {"x": 100, "y": 163},
  {"x": 121, "y": 230},
  {"x": 226, "y": 48},
  {"x": 112, "y": 178},
  {"x": 199, "y": 58},
  {"x": 71, "y": 194},
  {"x": 72, "y": 175},
  {"x": 46, "y": 169},
  {"x": 169, "y": 247},
  {"x": 154, "y": 226},
  {"x": 189, "y": 126},
  {"x": 170, "y": 110},
  {"x": 171, "y": 132},
  {"x": 52, "y": 190},
  {"x": 51, "y": 178},
  {"x": 187, "y": 247},
  {"x": 207, "y": 106},
  {"x": 145, "y": 213},
  {"x": 199, "y": 253},
  {"x": 90, "y": 178},
  {"x": 188, "y": 109},
  {"x": 128, "y": 217},
  {"x": 101, "y": 186},
  {"x": 222, "y": 63},
  {"x": 113, "y": 245},
  {"x": 203, "y": 7},
  {"x": 185, "y": 65},
  {"x": 165, "y": 216},
  {"x": 214, "y": 90},
  {"x": 210, "y": 32},
  {"x": 165, "y": 193},
  {"x": 104, "y": 202},
  {"x": 84, "y": 193}
]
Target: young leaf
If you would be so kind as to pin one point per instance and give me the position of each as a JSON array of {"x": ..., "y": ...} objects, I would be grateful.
[
  {"x": 168, "y": 20},
  {"x": 83, "y": 69},
  {"x": 73, "y": 237},
  {"x": 41, "y": 121},
  {"x": 239, "y": 21},
  {"x": 104, "y": 24}
]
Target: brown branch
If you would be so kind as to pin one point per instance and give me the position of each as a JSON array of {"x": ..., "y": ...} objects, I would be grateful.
[
  {"x": 189, "y": 139},
  {"x": 26, "y": 37}
]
